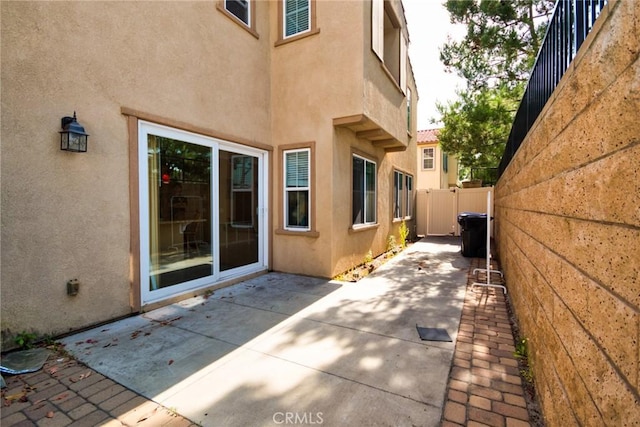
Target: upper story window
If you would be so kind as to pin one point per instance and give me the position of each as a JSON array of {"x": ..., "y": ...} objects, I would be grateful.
[
  {"x": 409, "y": 110},
  {"x": 389, "y": 41},
  {"x": 428, "y": 156},
  {"x": 296, "y": 20},
  {"x": 297, "y": 189},
  {"x": 240, "y": 9},
  {"x": 242, "y": 12},
  {"x": 364, "y": 191},
  {"x": 297, "y": 17}
]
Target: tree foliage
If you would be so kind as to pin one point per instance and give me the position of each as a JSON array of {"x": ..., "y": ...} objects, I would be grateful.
[
  {"x": 495, "y": 58},
  {"x": 476, "y": 125}
]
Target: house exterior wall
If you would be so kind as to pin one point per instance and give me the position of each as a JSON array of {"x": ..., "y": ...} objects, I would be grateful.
[
  {"x": 568, "y": 232},
  {"x": 306, "y": 97},
  {"x": 68, "y": 215},
  {"x": 436, "y": 178}
]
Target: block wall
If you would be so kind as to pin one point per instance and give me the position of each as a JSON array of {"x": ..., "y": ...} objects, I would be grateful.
[{"x": 568, "y": 232}]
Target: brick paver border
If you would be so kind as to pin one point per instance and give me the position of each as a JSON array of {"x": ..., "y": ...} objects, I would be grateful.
[
  {"x": 485, "y": 386},
  {"x": 65, "y": 392}
]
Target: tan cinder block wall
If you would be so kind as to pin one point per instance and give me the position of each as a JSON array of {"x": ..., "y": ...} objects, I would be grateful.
[{"x": 568, "y": 232}]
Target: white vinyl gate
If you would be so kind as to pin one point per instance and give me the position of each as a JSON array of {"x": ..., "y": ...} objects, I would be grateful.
[{"x": 437, "y": 210}]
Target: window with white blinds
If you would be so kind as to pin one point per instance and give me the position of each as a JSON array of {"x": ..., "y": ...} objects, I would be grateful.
[
  {"x": 297, "y": 189},
  {"x": 297, "y": 17}
]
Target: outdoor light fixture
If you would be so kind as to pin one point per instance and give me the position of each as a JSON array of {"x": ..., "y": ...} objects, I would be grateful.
[{"x": 72, "y": 135}]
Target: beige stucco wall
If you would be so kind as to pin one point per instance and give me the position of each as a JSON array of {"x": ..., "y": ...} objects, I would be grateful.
[
  {"x": 187, "y": 65},
  {"x": 437, "y": 177},
  {"x": 324, "y": 76},
  {"x": 568, "y": 232},
  {"x": 318, "y": 78},
  {"x": 66, "y": 215},
  {"x": 429, "y": 178}
]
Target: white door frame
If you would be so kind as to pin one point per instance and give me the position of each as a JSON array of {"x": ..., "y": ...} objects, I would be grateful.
[{"x": 144, "y": 129}]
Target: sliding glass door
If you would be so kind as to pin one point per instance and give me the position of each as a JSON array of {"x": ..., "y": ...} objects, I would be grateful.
[{"x": 201, "y": 204}]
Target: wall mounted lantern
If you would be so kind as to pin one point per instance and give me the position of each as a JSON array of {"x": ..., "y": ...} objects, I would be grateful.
[{"x": 72, "y": 135}]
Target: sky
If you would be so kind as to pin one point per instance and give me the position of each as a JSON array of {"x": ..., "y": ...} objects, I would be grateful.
[{"x": 429, "y": 25}]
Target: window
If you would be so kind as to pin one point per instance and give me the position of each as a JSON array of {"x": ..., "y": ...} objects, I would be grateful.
[
  {"x": 409, "y": 195},
  {"x": 296, "y": 189},
  {"x": 428, "y": 158},
  {"x": 297, "y": 17},
  {"x": 445, "y": 162},
  {"x": 409, "y": 110},
  {"x": 402, "y": 194},
  {"x": 364, "y": 191},
  {"x": 240, "y": 9},
  {"x": 398, "y": 178},
  {"x": 242, "y": 197},
  {"x": 389, "y": 41}
]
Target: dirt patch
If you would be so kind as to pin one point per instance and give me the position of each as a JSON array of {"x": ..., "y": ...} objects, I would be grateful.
[
  {"x": 536, "y": 419},
  {"x": 363, "y": 270}
]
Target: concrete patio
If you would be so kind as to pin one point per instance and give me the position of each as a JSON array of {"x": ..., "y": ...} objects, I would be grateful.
[{"x": 284, "y": 347}]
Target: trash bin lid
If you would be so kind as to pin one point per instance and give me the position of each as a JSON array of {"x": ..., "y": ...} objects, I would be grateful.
[
  {"x": 472, "y": 215},
  {"x": 467, "y": 218}
]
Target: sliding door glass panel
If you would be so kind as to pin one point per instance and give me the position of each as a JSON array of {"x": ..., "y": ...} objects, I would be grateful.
[
  {"x": 238, "y": 209},
  {"x": 179, "y": 212}
]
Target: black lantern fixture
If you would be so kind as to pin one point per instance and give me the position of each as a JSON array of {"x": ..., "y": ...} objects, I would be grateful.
[{"x": 72, "y": 135}]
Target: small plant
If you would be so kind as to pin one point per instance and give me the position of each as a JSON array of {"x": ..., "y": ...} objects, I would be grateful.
[
  {"x": 391, "y": 243},
  {"x": 521, "y": 349},
  {"x": 404, "y": 233},
  {"x": 368, "y": 257},
  {"x": 25, "y": 340},
  {"x": 527, "y": 375},
  {"x": 522, "y": 353}
]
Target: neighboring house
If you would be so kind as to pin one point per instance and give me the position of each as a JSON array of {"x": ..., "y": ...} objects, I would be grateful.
[
  {"x": 436, "y": 169},
  {"x": 226, "y": 139}
]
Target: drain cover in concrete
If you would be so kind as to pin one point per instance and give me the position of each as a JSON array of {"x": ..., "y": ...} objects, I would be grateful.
[{"x": 433, "y": 334}]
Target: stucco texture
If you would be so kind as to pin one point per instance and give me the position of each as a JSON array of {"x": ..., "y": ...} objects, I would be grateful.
[
  {"x": 190, "y": 66},
  {"x": 66, "y": 215},
  {"x": 568, "y": 232}
]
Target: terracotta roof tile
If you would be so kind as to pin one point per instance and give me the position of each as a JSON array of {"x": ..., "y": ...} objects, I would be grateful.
[{"x": 428, "y": 135}]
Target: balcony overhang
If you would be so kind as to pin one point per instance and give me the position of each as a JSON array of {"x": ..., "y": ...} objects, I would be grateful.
[{"x": 367, "y": 129}]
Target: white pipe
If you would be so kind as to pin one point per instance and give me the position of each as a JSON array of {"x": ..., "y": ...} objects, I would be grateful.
[{"x": 488, "y": 236}]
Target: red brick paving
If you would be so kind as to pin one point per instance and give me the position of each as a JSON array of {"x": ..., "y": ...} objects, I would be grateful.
[
  {"x": 67, "y": 393},
  {"x": 485, "y": 387}
]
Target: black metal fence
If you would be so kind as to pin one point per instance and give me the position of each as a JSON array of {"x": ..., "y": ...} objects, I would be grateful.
[{"x": 571, "y": 22}]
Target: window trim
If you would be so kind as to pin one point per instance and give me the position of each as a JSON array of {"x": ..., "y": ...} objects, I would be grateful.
[
  {"x": 281, "y": 230},
  {"x": 364, "y": 223},
  {"x": 409, "y": 111},
  {"x": 286, "y": 191},
  {"x": 432, "y": 157},
  {"x": 409, "y": 196},
  {"x": 313, "y": 29},
  {"x": 403, "y": 196},
  {"x": 251, "y": 27},
  {"x": 383, "y": 16}
]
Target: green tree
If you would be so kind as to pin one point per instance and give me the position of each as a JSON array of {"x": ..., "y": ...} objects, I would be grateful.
[
  {"x": 477, "y": 125},
  {"x": 495, "y": 58}
]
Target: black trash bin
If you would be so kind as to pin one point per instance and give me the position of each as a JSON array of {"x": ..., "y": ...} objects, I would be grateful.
[{"x": 473, "y": 234}]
